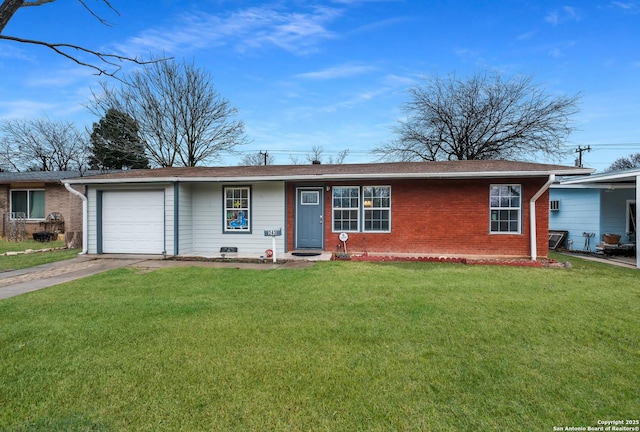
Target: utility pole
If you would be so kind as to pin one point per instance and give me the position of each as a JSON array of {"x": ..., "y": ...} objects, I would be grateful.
[
  {"x": 265, "y": 154},
  {"x": 581, "y": 150}
]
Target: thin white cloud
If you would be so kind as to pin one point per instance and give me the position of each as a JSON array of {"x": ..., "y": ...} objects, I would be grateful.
[
  {"x": 357, "y": 99},
  {"x": 396, "y": 81},
  {"x": 467, "y": 54},
  {"x": 59, "y": 77},
  {"x": 12, "y": 52},
  {"x": 562, "y": 15},
  {"x": 344, "y": 71},
  {"x": 555, "y": 52},
  {"x": 552, "y": 18},
  {"x": 22, "y": 108},
  {"x": 560, "y": 50},
  {"x": 629, "y": 6},
  {"x": 527, "y": 36},
  {"x": 247, "y": 29}
]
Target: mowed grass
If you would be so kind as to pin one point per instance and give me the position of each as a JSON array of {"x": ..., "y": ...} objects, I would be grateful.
[
  {"x": 22, "y": 261},
  {"x": 7, "y": 246},
  {"x": 340, "y": 346}
]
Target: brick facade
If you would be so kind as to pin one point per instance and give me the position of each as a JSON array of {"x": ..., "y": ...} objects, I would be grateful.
[
  {"x": 56, "y": 199},
  {"x": 438, "y": 218}
]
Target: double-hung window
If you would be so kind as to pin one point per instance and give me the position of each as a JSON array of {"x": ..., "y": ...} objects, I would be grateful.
[
  {"x": 346, "y": 208},
  {"x": 29, "y": 202},
  {"x": 237, "y": 209},
  {"x": 366, "y": 208},
  {"x": 377, "y": 208},
  {"x": 505, "y": 203}
]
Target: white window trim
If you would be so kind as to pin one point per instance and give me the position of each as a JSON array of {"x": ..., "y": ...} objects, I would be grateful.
[
  {"x": 333, "y": 209},
  {"x": 26, "y": 190},
  {"x": 629, "y": 204},
  {"x": 361, "y": 209},
  {"x": 376, "y": 208},
  {"x": 519, "y": 209}
]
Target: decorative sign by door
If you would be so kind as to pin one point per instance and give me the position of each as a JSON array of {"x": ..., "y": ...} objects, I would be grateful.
[
  {"x": 273, "y": 233},
  {"x": 343, "y": 238}
]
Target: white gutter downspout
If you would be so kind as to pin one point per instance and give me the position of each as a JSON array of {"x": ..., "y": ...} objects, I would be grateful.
[
  {"x": 84, "y": 216},
  {"x": 533, "y": 226}
]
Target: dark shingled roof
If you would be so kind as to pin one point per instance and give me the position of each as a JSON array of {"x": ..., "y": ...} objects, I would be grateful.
[
  {"x": 42, "y": 176},
  {"x": 449, "y": 169}
]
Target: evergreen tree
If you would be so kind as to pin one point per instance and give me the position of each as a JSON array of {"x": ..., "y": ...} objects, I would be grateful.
[{"x": 115, "y": 143}]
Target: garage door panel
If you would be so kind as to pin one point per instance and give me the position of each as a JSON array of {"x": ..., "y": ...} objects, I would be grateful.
[{"x": 133, "y": 222}]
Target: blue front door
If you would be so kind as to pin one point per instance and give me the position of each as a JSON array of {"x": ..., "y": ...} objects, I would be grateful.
[{"x": 309, "y": 218}]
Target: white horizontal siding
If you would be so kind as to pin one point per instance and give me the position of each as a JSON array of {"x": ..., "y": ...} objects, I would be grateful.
[
  {"x": 92, "y": 232},
  {"x": 267, "y": 211},
  {"x": 185, "y": 220}
]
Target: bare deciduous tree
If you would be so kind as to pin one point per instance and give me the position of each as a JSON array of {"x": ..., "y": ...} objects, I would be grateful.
[
  {"x": 107, "y": 63},
  {"x": 260, "y": 158},
  {"x": 629, "y": 162},
  {"x": 483, "y": 117},
  {"x": 42, "y": 145},
  {"x": 315, "y": 157},
  {"x": 182, "y": 119}
]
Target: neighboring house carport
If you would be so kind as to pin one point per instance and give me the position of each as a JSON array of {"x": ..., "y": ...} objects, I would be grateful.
[{"x": 610, "y": 182}]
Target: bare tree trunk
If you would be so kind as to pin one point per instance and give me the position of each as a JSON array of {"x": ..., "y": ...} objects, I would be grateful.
[{"x": 7, "y": 10}]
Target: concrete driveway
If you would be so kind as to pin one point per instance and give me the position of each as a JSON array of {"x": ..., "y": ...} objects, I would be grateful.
[
  {"x": 13, "y": 283},
  {"x": 18, "y": 282}
]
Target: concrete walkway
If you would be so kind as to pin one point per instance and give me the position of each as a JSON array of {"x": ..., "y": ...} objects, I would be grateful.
[
  {"x": 16, "y": 282},
  {"x": 620, "y": 261}
]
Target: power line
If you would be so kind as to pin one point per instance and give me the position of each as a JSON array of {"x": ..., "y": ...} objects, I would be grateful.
[{"x": 581, "y": 150}]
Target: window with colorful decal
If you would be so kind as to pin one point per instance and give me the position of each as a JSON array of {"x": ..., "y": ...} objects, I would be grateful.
[{"x": 237, "y": 209}]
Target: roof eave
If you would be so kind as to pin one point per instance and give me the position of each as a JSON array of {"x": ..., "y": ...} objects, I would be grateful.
[{"x": 335, "y": 176}]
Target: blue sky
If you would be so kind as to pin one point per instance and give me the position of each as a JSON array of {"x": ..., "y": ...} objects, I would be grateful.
[{"x": 334, "y": 73}]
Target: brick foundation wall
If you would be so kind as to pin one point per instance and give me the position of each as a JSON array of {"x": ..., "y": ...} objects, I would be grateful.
[{"x": 441, "y": 218}]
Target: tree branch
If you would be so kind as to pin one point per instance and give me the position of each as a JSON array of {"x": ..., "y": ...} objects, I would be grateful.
[
  {"x": 113, "y": 61},
  {"x": 36, "y": 2},
  {"x": 109, "y": 59},
  {"x": 95, "y": 15}
]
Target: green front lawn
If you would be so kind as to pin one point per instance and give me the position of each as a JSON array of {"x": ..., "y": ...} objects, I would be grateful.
[
  {"x": 7, "y": 246},
  {"x": 340, "y": 346},
  {"x": 22, "y": 261}
]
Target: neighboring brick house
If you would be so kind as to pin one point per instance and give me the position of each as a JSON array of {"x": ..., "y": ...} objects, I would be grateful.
[
  {"x": 457, "y": 208},
  {"x": 38, "y": 194}
]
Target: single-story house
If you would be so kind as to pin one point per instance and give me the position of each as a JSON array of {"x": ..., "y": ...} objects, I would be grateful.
[
  {"x": 588, "y": 207},
  {"x": 455, "y": 208},
  {"x": 36, "y": 195}
]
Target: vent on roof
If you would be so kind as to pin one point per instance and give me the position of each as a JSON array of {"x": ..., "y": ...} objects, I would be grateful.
[{"x": 554, "y": 205}]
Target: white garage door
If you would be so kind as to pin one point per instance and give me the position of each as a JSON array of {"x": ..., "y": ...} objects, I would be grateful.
[{"x": 133, "y": 222}]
